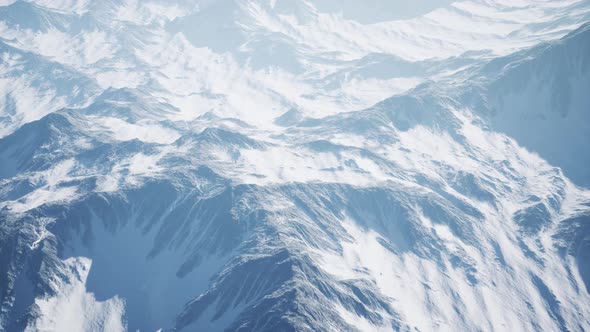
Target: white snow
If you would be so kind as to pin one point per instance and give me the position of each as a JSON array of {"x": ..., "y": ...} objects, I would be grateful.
[
  {"x": 74, "y": 309},
  {"x": 239, "y": 65},
  {"x": 145, "y": 131}
]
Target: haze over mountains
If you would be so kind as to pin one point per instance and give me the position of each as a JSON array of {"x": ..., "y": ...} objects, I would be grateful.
[{"x": 279, "y": 165}]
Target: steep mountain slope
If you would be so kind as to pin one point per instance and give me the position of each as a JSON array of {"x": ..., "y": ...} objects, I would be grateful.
[
  {"x": 371, "y": 175},
  {"x": 548, "y": 91}
]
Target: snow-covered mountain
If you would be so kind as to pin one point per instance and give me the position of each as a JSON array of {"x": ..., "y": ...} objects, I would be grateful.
[{"x": 294, "y": 165}]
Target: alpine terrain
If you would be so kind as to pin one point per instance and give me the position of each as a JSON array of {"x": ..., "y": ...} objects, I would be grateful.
[{"x": 294, "y": 165}]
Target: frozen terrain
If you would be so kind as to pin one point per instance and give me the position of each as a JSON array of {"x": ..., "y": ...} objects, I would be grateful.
[{"x": 294, "y": 165}]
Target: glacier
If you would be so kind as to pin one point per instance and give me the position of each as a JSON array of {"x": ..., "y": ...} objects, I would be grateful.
[{"x": 294, "y": 165}]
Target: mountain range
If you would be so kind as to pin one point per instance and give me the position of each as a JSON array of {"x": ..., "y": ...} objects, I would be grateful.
[{"x": 294, "y": 165}]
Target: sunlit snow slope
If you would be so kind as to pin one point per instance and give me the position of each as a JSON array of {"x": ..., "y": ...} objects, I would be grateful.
[{"x": 294, "y": 165}]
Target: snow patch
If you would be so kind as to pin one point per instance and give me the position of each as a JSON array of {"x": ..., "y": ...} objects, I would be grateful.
[{"x": 73, "y": 308}]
